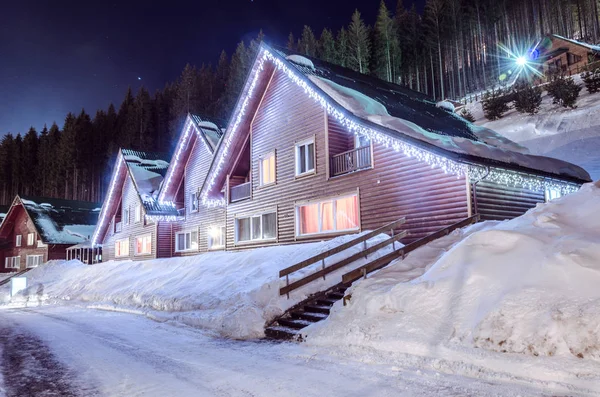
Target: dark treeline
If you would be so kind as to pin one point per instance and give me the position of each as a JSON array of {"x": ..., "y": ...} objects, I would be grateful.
[
  {"x": 451, "y": 49},
  {"x": 74, "y": 161},
  {"x": 448, "y": 51}
]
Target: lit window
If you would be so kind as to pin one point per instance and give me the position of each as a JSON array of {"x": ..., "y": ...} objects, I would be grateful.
[
  {"x": 552, "y": 194},
  {"x": 186, "y": 241},
  {"x": 267, "y": 169},
  {"x": 305, "y": 157},
  {"x": 34, "y": 260},
  {"x": 328, "y": 216},
  {"x": 216, "y": 237},
  {"x": 30, "y": 238},
  {"x": 194, "y": 202},
  {"x": 138, "y": 213},
  {"x": 143, "y": 245},
  {"x": 126, "y": 215},
  {"x": 256, "y": 227},
  {"x": 18, "y": 240},
  {"x": 122, "y": 248}
]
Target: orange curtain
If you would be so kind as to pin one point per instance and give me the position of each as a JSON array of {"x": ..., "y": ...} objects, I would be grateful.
[
  {"x": 327, "y": 216},
  {"x": 309, "y": 219},
  {"x": 346, "y": 215}
]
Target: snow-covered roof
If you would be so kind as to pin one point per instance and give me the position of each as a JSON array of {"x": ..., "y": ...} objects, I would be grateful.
[
  {"x": 61, "y": 221},
  {"x": 413, "y": 117},
  {"x": 210, "y": 129},
  {"x": 148, "y": 170},
  {"x": 595, "y": 48}
]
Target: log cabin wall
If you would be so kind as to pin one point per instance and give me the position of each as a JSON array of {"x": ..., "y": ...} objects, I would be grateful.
[
  {"x": 195, "y": 173},
  {"x": 133, "y": 230},
  {"x": 396, "y": 186},
  {"x": 495, "y": 202}
]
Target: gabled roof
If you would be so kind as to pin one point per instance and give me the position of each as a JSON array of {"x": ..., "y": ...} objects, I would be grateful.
[
  {"x": 60, "y": 221},
  {"x": 210, "y": 133},
  {"x": 394, "y": 116},
  {"x": 592, "y": 47}
]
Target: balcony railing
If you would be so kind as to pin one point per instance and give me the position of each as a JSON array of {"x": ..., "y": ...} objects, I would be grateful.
[
  {"x": 240, "y": 192},
  {"x": 118, "y": 227},
  {"x": 352, "y": 160}
]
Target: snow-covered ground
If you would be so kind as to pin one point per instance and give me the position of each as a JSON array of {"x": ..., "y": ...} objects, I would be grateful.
[
  {"x": 233, "y": 294},
  {"x": 68, "y": 351},
  {"x": 511, "y": 300},
  {"x": 568, "y": 134}
]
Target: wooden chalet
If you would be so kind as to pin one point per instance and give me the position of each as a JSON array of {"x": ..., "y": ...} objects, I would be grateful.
[
  {"x": 314, "y": 150},
  {"x": 132, "y": 222},
  {"x": 561, "y": 55},
  {"x": 200, "y": 230},
  {"x": 38, "y": 229}
]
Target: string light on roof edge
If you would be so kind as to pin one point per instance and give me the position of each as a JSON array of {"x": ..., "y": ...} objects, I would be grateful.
[
  {"x": 436, "y": 161},
  {"x": 101, "y": 218},
  {"x": 175, "y": 160}
]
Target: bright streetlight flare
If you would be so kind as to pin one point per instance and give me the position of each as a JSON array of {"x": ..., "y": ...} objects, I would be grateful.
[{"x": 521, "y": 61}]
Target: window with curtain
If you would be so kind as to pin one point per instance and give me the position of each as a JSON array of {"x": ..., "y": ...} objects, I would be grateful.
[
  {"x": 256, "y": 227},
  {"x": 267, "y": 169},
  {"x": 122, "y": 247},
  {"x": 328, "y": 216},
  {"x": 143, "y": 245},
  {"x": 305, "y": 157},
  {"x": 216, "y": 237}
]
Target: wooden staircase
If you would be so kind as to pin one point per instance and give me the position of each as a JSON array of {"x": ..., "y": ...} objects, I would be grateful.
[
  {"x": 7, "y": 280},
  {"x": 318, "y": 306}
]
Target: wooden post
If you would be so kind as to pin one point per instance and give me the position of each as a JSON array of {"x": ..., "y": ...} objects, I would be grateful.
[
  {"x": 393, "y": 242},
  {"x": 365, "y": 245},
  {"x": 287, "y": 282},
  {"x": 323, "y": 267}
]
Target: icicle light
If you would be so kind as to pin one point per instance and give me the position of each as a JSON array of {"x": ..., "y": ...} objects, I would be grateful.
[{"x": 111, "y": 190}]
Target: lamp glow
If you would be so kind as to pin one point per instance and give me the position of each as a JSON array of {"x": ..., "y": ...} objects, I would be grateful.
[{"x": 521, "y": 61}]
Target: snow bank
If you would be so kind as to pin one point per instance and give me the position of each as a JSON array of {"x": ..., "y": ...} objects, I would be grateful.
[
  {"x": 300, "y": 60},
  {"x": 231, "y": 293},
  {"x": 448, "y": 106},
  {"x": 527, "y": 286}
]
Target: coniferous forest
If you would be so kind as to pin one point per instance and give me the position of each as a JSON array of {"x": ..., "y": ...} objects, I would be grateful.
[{"x": 447, "y": 51}]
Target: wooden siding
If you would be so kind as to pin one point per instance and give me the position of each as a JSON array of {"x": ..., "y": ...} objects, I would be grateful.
[
  {"x": 20, "y": 224},
  {"x": 195, "y": 173},
  {"x": 574, "y": 49},
  {"x": 498, "y": 202},
  {"x": 164, "y": 247},
  {"x": 397, "y": 186},
  {"x": 130, "y": 199}
]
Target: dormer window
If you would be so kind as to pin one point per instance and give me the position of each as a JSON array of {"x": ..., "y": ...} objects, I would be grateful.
[{"x": 194, "y": 202}]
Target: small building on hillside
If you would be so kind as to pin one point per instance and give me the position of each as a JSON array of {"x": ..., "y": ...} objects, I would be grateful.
[
  {"x": 314, "y": 150},
  {"x": 561, "y": 55},
  {"x": 133, "y": 224},
  {"x": 38, "y": 229}
]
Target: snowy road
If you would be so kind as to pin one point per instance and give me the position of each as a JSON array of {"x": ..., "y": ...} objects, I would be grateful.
[{"x": 66, "y": 351}]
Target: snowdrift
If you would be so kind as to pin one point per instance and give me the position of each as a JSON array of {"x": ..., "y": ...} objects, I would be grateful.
[
  {"x": 530, "y": 286},
  {"x": 231, "y": 293}
]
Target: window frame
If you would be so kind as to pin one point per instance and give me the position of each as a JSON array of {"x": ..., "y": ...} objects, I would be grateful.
[
  {"x": 297, "y": 146},
  {"x": 250, "y": 216},
  {"x": 19, "y": 240},
  {"x": 135, "y": 249},
  {"x": 39, "y": 259},
  {"x": 30, "y": 239},
  {"x": 194, "y": 202},
  {"x": 121, "y": 255},
  {"x": 552, "y": 194},
  {"x": 261, "y": 173},
  {"x": 185, "y": 232},
  {"x": 137, "y": 214},
  {"x": 210, "y": 237},
  {"x": 12, "y": 260},
  {"x": 319, "y": 202},
  {"x": 125, "y": 216}
]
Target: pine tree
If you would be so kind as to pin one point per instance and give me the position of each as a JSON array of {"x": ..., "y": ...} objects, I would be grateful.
[
  {"x": 30, "y": 161},
  {"x": 359, "y": 44},
  {"x": 386, "y": 45},
  {"x": 341, "y": 53},
  {"x": 564, "y": 91},
  {"x": 326, "y": 46},
  {"x": 307, "y": 45},
  {"x": 291, "y": 43},
  {"x": 127, "y": 128},
  {"x": 237, "y": 74},
  {"x": 143, "y": 120},
  {"x": 17, "y": 165},
  {"x": 7, "y": 148},
  {"x": 495, "y": 104},
  {"x": 527, "y": 98},
  {"x": 467, "y": 115},
  {"x": 591, "y": 80}
]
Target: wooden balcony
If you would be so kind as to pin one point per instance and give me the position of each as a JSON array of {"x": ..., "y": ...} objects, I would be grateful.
[
  {"x": 350, "y": 161},
  {"x": 240, "y": 192}
]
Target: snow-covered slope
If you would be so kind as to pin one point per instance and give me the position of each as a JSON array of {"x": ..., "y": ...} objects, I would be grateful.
[
  {"x": 231, "y": 293},
  {"x": 528, "y": 286},
  {"x": 568, "y": 134}
]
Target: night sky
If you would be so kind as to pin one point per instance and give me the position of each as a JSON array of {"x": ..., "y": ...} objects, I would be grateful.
[{"x": 60, "y": 56}]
